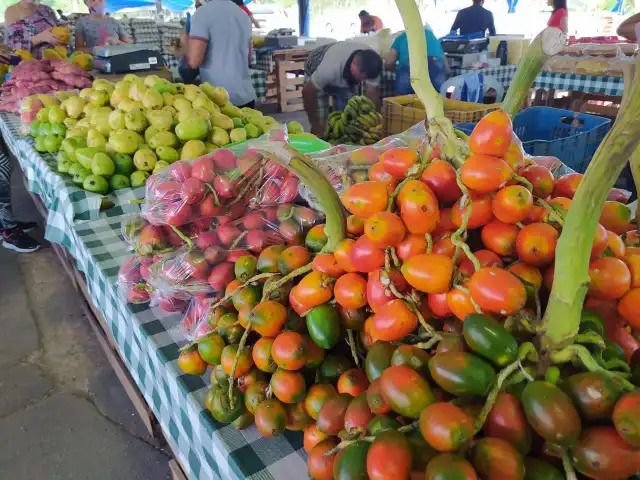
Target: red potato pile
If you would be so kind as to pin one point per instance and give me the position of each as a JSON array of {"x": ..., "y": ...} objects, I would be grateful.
[{"x": 40, "y": 76}]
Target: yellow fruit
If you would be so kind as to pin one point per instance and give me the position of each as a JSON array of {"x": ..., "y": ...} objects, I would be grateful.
[
  {"x": 84, "y": 61},
  {"x": 62, "y": 34},
  {"x": 25, "y": 55}
]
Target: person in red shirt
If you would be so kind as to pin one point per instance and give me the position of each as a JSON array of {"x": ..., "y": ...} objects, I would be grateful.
[
  {"x": 369, "y": 23},
  {"x": 560, "y": 16},
  {"x": 244, "y": 8}
]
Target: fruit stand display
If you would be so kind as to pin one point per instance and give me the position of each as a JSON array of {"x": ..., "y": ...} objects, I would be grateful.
[{"x": 437, "y": 305}]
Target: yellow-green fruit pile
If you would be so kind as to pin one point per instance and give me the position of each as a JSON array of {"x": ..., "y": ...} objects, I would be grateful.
[{"x": 138, "y": 126}]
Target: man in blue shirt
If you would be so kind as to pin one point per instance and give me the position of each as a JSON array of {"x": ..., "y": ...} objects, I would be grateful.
[
  {"x": 398, "y": 58},
  {"x": 474, "y": 19}
]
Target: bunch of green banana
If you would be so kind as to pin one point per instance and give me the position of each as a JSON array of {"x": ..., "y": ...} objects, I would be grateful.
[{"x": 358, "y": 124}]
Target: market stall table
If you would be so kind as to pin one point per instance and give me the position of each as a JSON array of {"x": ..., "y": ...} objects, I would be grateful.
[
  {"x": 148, "y": 340},
  {"x": 606, "y": 85}
]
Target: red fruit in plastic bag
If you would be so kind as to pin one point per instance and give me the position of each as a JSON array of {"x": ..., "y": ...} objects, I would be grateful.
[
  {"x": 178, "y": 214},
  {"x": 275, "y": 170},
  {"x": 192, "y": 191},
  {"x": 224, "y": 186},
  {"x": 180, "y": 171},
  {"x": 214, "y": 254},
  {"x": 234, "y": 255},
  {"x": 208, "y": 207},
  {"x": 270, "y": 214},
  {"x": 224, "y": 159},
  {"x": 289, "y": 189},
  {"x": 197, "y": 266},
  {"x": 258, "y": 240},
  {"x": 129, "y": 271},
  {"x": 173, "y": 237},
  {"x": 168, "y": 191},
  {"x": 145, "y": 271},
  {"x": 171, "y": 304},
  {"x": 203, "y": 169},
  {"x": 137, "y": 294},
  {"x": 152, "y": 236},
  {"x": 206, "y": 239},
  {"x": 202, "y": 329},
  {"x": 221, "y": 275},
  {"x": 269, "y": 194},
  {"x": 227, "y": 234},
  {"x": 291, "y": 231},
  {"x": 201, "y": 225},
  {"x": 253, "y": 221},
  {"x": 305, "y": 216}
]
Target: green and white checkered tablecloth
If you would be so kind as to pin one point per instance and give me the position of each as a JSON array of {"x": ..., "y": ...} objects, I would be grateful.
[
  {"x": 148, "y": 341},
  {"x": 66, "y": 203},
  {"x": 606, "y": 85},
  {"x": 259, "y": 82}
]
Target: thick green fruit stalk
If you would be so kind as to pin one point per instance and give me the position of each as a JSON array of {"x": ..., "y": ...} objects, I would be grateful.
[
  {"x": 571, "y": 279},
  {"x": 335, "y": 224},
  {"x": 547, "y": 43}
]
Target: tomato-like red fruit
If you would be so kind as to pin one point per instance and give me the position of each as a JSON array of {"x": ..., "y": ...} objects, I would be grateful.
[
  {"x": 506, "y": 420},
  {"x": 484, "y": 173},
  {"x": 527, "y": 273},
  {"x": 514, "y": 155},
  {"x": 615, "y": 244},
  {"x": 377, "y": 173},
  {"x": 375, "y": 400},
  {"x": 541, "y": 178},
  {"x": 393, "y": 321},
  {"x": 567, "y": 185},
  {"x": 610, "y": 278},
  {"x": 289, "y": 350},
  {"x": 397, "y": 161},
  {"x": 319, "y": 464},
  {"x": 512, "y": 204},
  {"x": 459, "y": 302},
  {"x": 497, "y": 291},
  {"x": 602, "y": 454},
  {"x": 500, "y": 237},
  {"x": 448, "y": 466},
  {"x": 326, "y": 263},
  {"x": 413, "y": 244},
  {"x": 366, "y": 256},
  {"x": 437, "y": 303},
  {"x": 600, "y": 241},
  {"x": 350, "y": 291},
  {"x": 389, "y": 457},
  {"x": 629, "y": 307},
  {"x": 378, "y": 294},
  {"x": 419, "y": 208},
  {"x": 366, "y": 198},
  {"x": 496, "y": 459},
  {"x": 445, "y": 427},
  {"x": 536, "y": 244},
  {"x": 312, "y": 437},
  {"x": 355, "y": 225},
  {"x": 486, "y": 258},
  {"x": 440, "y": 176},
  {"x": 492, "y": 135},
  {"x": 358, "y": 415},
  {"x": 626, "y": 418},
  {"x": 385, "y": 229},
  {"x": 481, "y": 212},
  {"x": 353, "y": 382},
  {"x": 616, "y": 216},
  {"x": 429, "y": 272}
]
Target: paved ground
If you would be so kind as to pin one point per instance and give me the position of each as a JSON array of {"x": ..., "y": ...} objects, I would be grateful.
[{"x": 63, "y": 413}]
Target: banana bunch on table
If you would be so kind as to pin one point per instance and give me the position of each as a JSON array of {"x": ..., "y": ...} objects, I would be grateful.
[{"x": 358, "y": 124}]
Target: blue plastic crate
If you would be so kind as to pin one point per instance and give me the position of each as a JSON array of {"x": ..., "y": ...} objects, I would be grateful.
[{"x": 571, "y": 136}]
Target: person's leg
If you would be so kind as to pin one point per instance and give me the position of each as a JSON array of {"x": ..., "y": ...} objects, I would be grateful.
[
  {"x": 11, "y": 232},
  {"x": 340, "y": 97}
]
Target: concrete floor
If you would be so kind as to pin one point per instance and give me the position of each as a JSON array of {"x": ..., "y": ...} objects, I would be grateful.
[{"x": 63, "y": 413}]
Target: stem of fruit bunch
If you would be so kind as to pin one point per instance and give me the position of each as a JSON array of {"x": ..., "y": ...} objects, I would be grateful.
[
  {"x": 527, "y": 349},
  {"x": 568, "y": 468},
  {"x": 456, "y": 237},
  {"x": 547, "y": 43},
  {"x": 351, "y": 341},
  {"x": 582, "y": 354},
  {"x": 287, "y": 278},
  {"x": 335, "y": 224},
  {"x": 441, "y": 131},
  {"x": 256, "y": 278},
  {"x": 561, "y": 319},
  {"x": 187, "y": 241},
  {"x": 243, "y": 341},
  {"x": 345, "y": 443}
]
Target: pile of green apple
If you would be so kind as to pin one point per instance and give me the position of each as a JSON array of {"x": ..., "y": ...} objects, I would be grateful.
[{"x": 114, "y": 135}]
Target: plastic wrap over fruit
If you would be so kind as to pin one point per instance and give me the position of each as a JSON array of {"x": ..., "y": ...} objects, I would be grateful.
[
  {"x": 220, "y": 183},
  {"x": 345, "y": 165},
  {"x": 132, "y": 285},
  {"x": 198, "y": 318},
  {"x": 146, "y": 239},
  {"x": 206, "y": 266}
]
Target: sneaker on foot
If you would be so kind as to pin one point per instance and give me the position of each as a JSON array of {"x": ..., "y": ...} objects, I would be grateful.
[
  {"x": 15, "y": 239},
  {"x": 26, "y": 226}
]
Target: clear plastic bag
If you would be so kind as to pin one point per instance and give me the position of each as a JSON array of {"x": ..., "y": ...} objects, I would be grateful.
[
  {"x": 132, "y": 285},
  {"x": 146, "y": 239},
  {"x": 196, "y": 321},
  {"x": 206, "y": 266}
]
